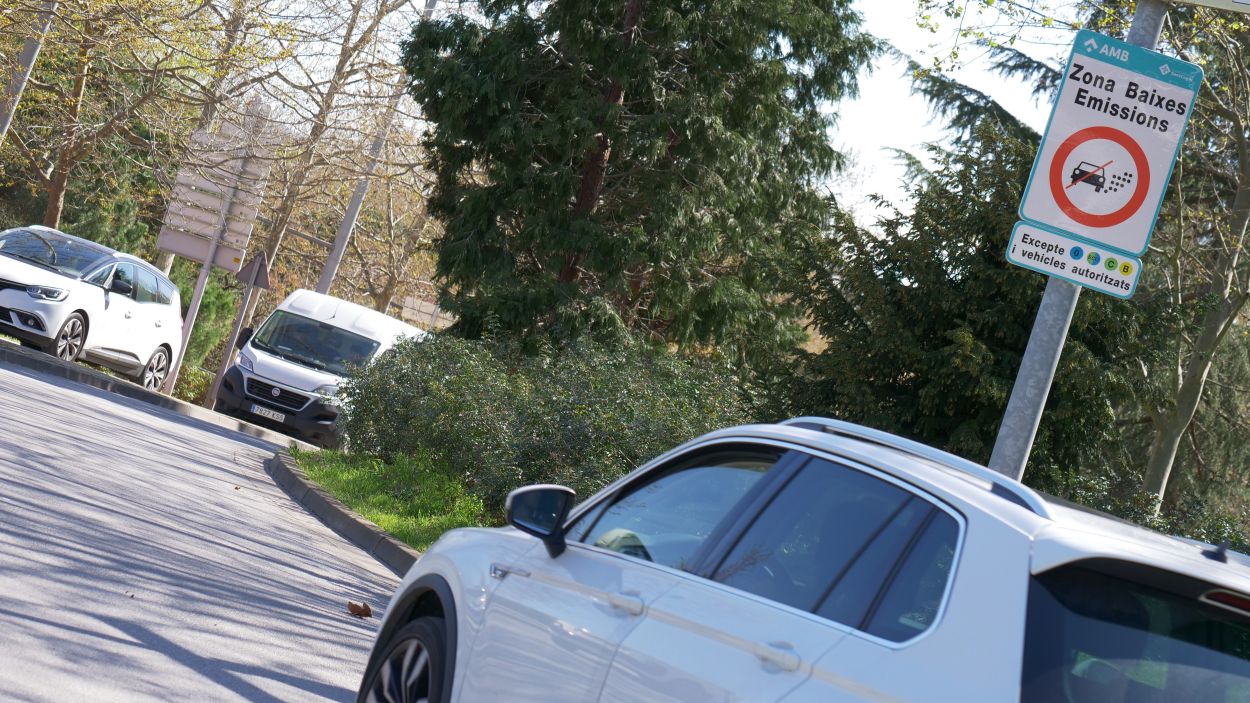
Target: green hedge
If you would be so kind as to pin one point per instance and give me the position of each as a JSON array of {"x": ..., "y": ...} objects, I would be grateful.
[{"x": 580, "y": 416}]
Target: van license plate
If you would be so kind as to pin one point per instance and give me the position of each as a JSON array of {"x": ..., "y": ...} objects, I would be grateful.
[{"x": 266, "y": 412}]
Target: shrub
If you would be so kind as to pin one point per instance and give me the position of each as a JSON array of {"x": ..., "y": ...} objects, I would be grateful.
[
  {"x": 192, "y": 384},
  {"x": 581, "y": 415}
]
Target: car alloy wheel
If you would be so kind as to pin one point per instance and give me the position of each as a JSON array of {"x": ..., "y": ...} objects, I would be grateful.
[
  {"x": 157, "y": 369},
  {"x": 410, "y": 671},
  {"x": 69, "y": 340}
]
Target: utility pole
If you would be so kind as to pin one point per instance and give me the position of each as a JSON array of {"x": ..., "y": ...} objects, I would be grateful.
[
  {"x": 1054, "y": 316},
  {"x": 25, "y": 64},
  {"x": 358, "y": 197}
]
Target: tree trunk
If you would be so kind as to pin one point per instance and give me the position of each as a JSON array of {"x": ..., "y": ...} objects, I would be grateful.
[
  {"x": 1171, "y": 425},
  {"x": 382, "y": 301},
  {"x": 58, "y": 180},
  {"x": 596, "y": 165},
  {"x": 56, "y": 197}
]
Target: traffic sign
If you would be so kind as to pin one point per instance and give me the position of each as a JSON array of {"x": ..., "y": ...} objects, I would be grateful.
[
  {"x": 1234, "y": 5},
  {"x": 1102, "y": 269},
  {"x": 1114, "y": 133}
]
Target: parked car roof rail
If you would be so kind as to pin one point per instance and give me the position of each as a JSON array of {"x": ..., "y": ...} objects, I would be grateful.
[{"x": 1000, "y": 485}]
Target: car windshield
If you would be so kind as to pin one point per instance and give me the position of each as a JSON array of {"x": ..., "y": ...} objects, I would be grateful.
[
  {"x": 314, "y": 344},
  {"x": 50, "y": 250},
  {"x": 1095, "y": 637}
]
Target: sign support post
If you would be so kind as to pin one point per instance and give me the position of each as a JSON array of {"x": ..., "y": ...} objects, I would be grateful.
[
  {"x": 25, "y": 64},
  {"x": 255, "y": 275},
  {"x": 1054, "y": 316}
]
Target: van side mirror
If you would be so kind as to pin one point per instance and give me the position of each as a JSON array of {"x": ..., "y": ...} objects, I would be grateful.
[
  {"x": 244, "y": 335},
  {"x": 541, "y": 511}
]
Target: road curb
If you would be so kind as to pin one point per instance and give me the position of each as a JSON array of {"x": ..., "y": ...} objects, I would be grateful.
[
  {"x": 11, "y": 355},
  {"x": 285, "y": 471}
]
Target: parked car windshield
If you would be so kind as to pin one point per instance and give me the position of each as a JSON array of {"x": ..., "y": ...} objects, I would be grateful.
[
  {"x": 1095, "y": 637},
  {"x": 49, "y": 250},
  {"x": 318, "y": 345}
]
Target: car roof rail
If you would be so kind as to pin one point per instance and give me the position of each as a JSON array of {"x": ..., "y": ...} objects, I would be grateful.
[{"x": 1000, "y": 485}]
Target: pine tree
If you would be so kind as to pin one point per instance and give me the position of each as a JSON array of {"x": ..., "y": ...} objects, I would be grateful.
[{"x": 631, "y": 166}]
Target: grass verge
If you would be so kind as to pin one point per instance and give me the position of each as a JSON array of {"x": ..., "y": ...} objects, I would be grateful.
[{"x": 412, "y": 498}]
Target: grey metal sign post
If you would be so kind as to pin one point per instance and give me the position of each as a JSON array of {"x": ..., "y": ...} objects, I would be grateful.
[
  {"x": 25, "y": 64},
  {"x": 1054, "y": 316},
  {"x": 254, "y": 275}
]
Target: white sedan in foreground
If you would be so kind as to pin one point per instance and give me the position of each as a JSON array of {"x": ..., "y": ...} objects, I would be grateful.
[
  {"x": 74, "y": 298},
  {"x": 813, "y": 560}
]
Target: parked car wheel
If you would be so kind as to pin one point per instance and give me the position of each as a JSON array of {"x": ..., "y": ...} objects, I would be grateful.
[
  {"x": 411, "y": 667},
  {"x": 153, "y": 376},
  {"x": 69, "y": 341}
]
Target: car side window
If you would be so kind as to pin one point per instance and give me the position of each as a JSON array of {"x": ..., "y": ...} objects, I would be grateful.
[
  {"x": 147, "y": 290},
  {"x": 668, "y": 518},
  {"x": 125, "y": 272},
  {"x": 100, "y": 277},
  {"x": 165, "y": 292},
  {"x": 913, "y": 598},
  {"x": 850, "y": 547},
  {"x": 811, "y": 534}
]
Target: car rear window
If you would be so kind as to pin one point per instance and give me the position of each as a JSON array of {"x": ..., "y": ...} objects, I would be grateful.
[{"x": 1094, "y": 636}]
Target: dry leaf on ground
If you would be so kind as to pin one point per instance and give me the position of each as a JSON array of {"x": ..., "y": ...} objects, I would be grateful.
[{"x": 361, "y": 611}]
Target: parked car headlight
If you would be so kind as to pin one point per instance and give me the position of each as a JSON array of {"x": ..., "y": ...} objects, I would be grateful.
[
  {"x": 47, "y": 293},
  {"x": 330, "y": 394},
  {"x": 245, "y": 362}
]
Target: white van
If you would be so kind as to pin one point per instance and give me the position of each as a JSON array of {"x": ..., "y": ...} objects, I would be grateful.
[{"x": 288, "y": 373}]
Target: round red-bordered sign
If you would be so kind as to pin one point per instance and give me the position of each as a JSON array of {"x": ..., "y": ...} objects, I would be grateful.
[{"x": 1057, "y": 171}]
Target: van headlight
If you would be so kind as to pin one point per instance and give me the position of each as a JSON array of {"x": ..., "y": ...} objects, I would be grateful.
[
  {"x": 244, "y": 361},
  {"x": 47, "y": 293},
  {"x": 330, "y": 394}
]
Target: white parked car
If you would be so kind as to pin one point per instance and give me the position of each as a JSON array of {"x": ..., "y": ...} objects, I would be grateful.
[
  {"x": 289, "y": 372},
  {"x": 813, "y": 560},
  {"x": 75, "y": 298}
]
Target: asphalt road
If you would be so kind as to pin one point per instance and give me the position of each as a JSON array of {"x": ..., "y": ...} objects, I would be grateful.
[{"x": 146, "y": 556}]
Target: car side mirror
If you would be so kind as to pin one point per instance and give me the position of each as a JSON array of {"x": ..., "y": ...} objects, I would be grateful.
[
  {"x": 121, "y": 287},
  {"x": 244, "y": 335},
  {"x": 541, "y": 511}
]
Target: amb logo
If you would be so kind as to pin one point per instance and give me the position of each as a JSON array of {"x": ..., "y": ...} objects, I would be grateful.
[{"x": 1118, "y": 53}]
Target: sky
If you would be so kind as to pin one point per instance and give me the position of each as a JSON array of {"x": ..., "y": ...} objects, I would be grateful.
[{"x": 887, "y": 116}]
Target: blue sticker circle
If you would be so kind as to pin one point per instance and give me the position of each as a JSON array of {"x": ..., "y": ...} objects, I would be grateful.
[{"x": 1077, "y": 253}]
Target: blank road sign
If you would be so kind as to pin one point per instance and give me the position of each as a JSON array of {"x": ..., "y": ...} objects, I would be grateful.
[{"x": 1115, "y": 131}]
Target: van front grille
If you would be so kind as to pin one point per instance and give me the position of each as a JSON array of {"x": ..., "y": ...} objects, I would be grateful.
[{"x": 265, "y": 391}]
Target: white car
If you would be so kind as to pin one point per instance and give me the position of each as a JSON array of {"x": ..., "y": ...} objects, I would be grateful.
[
  {"x": 813, "y": 560},
  {"x": 74, "y": 298}
]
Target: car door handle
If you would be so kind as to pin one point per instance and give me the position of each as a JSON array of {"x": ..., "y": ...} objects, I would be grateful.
[
  {"x": 499, "y": 571},
  {"x": 778, "y": 654},
  {"x": 627, "y": 601},
  {"x": 127, "y": 315}
]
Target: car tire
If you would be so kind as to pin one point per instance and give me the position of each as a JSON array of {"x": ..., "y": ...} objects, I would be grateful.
[
  {"x": 411, "y": 666},
  {"x": 154, "y": 372},
  {"x": 69, "y": 340}
]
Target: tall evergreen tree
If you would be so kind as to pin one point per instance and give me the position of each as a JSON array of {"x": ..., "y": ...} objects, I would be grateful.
[{"x": 645, "y": 166}]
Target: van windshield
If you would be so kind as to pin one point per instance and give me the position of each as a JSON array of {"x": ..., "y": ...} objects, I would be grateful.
[
  {"x": 1093, "y": 637},
  {"x": 317, "y": 345}
]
